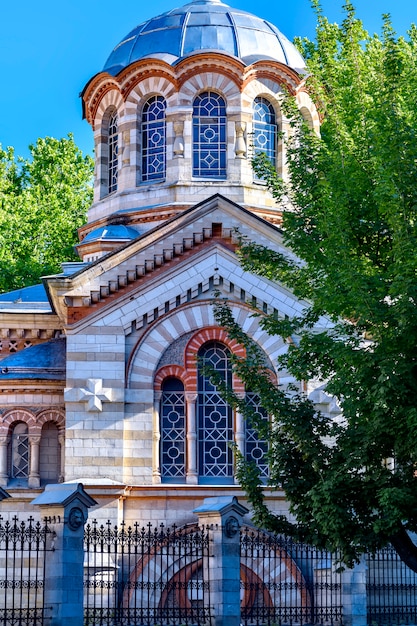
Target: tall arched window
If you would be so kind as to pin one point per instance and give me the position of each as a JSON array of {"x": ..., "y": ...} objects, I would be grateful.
[
  {"x": 196, "y": 430},
  {"x": 264, "y": 128},
  {"x": 113, "y": 152},
  {"x": 49, "y": 454},
  {"x": 209, "y": 136},
  {"x": 154, "y": 139},
  {"x": 173, "y": 431},
  {"x": 19, "y": 462},
  {"x": 215, "y": 424}
]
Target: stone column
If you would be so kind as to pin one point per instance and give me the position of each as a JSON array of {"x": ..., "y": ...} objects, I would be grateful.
[
  {"x": 67, "y": 507},
  {"x": 61, "y": 442},
  {"x": 240, "y": 432},
  {"x": 191, "y": 470},
  {"x": 178, "y": 148},
  {"x": 224, "y": 516},
  {"x": 125, "y": 148},
  {"x": 4, "y": 477},
  {"x": 127, "y": 168},
  {"x": 156, "y": 441},
  {"x": 240, "y": 144},
  {"x": 34, "y": 478}
]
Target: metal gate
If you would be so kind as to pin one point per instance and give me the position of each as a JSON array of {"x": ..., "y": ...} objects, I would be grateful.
[
  {"x": 286, "y": 582},
  {"x": 146, "y": 576},
  {"x": 23, "y": 550},
  {"x": 391, "y": 590}
]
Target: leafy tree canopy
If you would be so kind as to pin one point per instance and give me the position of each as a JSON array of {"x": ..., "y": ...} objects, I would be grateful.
[
  {"x": 43, "y": 200},
  {"x": 353, "y": 225}
]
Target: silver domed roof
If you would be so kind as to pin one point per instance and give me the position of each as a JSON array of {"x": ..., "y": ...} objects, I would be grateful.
[{"x": 204, "y": 25}]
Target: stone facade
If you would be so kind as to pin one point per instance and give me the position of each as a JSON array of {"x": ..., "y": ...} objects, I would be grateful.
[{"x": 88, "y": 357}]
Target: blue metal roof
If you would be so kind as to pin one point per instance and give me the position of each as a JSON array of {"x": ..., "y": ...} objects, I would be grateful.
[
  {"x": 204, "y": 25},
  {"x": 28, "y": 299},
  {"x": 35, "y": 293},
  {"x": 46, "y": 361}
]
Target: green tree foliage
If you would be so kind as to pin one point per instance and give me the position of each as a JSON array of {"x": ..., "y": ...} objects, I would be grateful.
[
  {"x": 353, "y": 225},
  {"x": 43, "y": 200}
]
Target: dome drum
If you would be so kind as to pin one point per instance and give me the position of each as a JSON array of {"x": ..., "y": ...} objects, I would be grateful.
[{"x": 173, "y": 112}]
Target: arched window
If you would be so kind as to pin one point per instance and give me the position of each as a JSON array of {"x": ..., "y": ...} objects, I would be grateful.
[
  {"x": 113, "y": 152},
  {"x": 264, "y": 129},
  {"x": 196, "y": 429},
  {"x": 49, "y": 454},
  {"x": 19, "y": 462},
  {"x": 215, "y": 425},
  {"x": 173, "y": 435},
  {"x": 154, "y": 139},
  {"x": 209, "y": 136}
]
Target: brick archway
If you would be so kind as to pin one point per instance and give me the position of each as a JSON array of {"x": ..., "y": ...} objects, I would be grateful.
[
  {"x": 19, "y": 415},
  {"x": 188, "y": 373},
  {"x": 143, "y": 363}
]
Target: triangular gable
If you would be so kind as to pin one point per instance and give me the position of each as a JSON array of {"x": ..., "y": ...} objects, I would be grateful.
[{"x": 216, "y": 222}]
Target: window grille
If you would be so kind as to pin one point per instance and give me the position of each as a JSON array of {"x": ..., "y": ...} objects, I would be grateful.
[
  {"x": 215, "y": 430},
  {"x": 113, "y": 145},
  {"x": 20, "y": 451},
  {"x": 154, "y": 139},
  {"x": 256, "y": 448},
  {"x": 173, "y": 431},
  {"x": 209, "y": 136},
  {"x": 264, "y": 129}
]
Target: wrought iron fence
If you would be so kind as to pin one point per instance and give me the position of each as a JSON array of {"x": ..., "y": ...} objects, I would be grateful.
[
  {"x": 23, "y": 550},
  {"x": 391, "y": 590},
  {"x": 285, "y": 582},
  {"x": 152, "y": 575}
]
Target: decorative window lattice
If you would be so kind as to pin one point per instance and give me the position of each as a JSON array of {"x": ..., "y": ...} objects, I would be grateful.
[
  {"x": 20, "y": 451},
  {"x": 173, "y": 430},
  {"x": 256, "y": 448},
  {"x": 264, "y": 129},
  {"x": 209, "y": 136},
  {"x": 215, "y": 430},
  {"x": 154, "y": 139},
  {"x": 113, "y": 145}
]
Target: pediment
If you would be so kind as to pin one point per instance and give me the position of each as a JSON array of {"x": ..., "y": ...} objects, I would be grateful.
[{"x": 186, "y": 257}]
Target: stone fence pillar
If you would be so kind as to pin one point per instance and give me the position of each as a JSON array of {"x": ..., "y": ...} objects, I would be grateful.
[
  {"x": 224, "y": 517},
  {"x": 354, "y": 595},
  {"x": 66, "y": 505}
]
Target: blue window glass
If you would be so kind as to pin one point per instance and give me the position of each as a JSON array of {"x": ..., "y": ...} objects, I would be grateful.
[
  {"x": 209, "y": 136},
  {"x": 256, "y": 448},
  {"x": 215, "y": 429},
  {"x": 264, "y": 129},
  {"x": 113, "y": 146},
  {"x": 154, "y": 139},
  {"x": 173, "y": 435}
]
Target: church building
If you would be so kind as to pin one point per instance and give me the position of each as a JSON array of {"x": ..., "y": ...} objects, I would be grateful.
[{"x": 100, "y": 381}]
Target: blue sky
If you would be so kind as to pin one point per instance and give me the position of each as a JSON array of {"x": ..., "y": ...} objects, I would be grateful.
[{"x": 49, "y": 50}]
